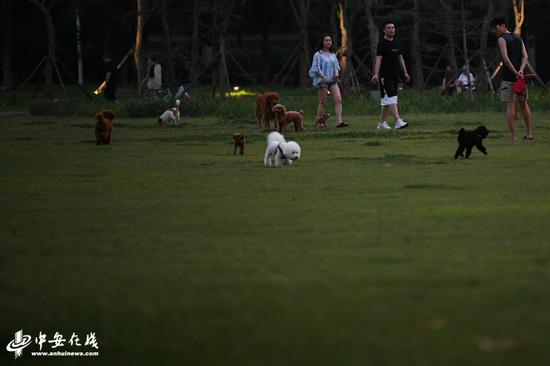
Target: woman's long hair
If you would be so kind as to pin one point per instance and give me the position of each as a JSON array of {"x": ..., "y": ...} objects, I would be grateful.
[{"x": 321, "y": 45}]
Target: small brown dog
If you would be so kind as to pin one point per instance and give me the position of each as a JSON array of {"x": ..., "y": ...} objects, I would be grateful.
[
  {"x": 285, "y": 118},
  {"x": 104, "y": 127},
  {"x": 321, "y": 121},
  {"x": 238, "y": 139},
  {"x": 264, "y": 106}
]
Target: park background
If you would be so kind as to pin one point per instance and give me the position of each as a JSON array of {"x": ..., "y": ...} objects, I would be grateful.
[{"x": 376, "y": 248}]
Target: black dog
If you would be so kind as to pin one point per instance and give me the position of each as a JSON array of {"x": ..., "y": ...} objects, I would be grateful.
[{"x": 468, "y": 139}]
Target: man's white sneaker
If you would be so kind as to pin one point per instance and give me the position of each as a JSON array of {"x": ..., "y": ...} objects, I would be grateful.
[
  {"x": 383, "y": 126},
  {"x": 400, "y": 124}
]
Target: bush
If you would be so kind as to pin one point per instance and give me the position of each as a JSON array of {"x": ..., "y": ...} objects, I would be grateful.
[
  {"x": 43, "y": 107},
  {"x": 145, "y": 107}
]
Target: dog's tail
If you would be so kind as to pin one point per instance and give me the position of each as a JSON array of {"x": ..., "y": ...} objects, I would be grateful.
[{"x": 275, "y": 136}]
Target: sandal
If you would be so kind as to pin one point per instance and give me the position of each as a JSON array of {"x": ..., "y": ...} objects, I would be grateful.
[
  {"x": 342, "y": 124},
  {"x": 528, "y": 137}
]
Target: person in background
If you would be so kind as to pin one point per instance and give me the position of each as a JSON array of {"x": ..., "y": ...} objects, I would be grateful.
[
  {"x": 449, "y": 82},
  {"x": 324, "y": 71},
  {"x": 514, "y": 59},
  {"x": 111, "y": 77},
  {"x": 389, "y": 65},
  {"x": 153, "y": 80},
  {"x": 466, "y": 80}
]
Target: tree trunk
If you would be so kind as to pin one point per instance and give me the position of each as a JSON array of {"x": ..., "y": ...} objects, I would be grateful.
[
  {"x": 223, "y": 77},
  {"x": 167, "y": 40},
  {"x": 448, "y": 29},
  {"x": 138, "y": 43},
  {"x": 346, "y": 50},
  {"x": 300, "y": 8},
  {"x": 418, "y": 65},
  {"x": 7, "y": 49},
  {"x": 333, "y": 26},
  {"x": 484, "y": 77},
  {"x": 373, "y": 29},
  {"x": 195, "y": 46},
  {"x": 465, "y": 46},
  {"x": 266, "y": 31},
  {"x": 50, "y": 63}
]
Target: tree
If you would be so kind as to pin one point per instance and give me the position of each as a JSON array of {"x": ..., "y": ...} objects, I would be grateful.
[
  {"x": 374, "y": 34},
  {"x": 167, "y": 39},
  {"x": 7, "y": 49},
  {"x": 446, "y": 6},
  {"x": 51, "y": 58},
  {"x": 300, "y": 9},
  {"x": 416, "y": 51},
  {"x": 138, "y": 42}
]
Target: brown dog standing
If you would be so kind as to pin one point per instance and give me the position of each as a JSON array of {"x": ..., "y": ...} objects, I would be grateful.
[
  {"x": 104, "y": 127},
  {"x": 238, "y": 140},
  {"x": 285, "y": 118},
  {"x": 264, "y": 106}
]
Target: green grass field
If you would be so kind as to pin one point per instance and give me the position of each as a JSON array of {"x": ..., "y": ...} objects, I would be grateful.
[{"x": 376, "y": 248}]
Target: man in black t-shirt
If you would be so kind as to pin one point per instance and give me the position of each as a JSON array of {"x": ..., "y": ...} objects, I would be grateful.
[
  {"x": 111, "y": 78},
  {"x": 514, "y": 59},
  {"x": 389, "y": 64}
]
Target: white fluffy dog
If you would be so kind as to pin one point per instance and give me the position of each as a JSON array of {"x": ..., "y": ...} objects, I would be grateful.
[{"x": 278, "y": 149}]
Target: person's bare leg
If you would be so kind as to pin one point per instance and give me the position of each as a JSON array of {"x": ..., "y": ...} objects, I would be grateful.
[
  {"x": 510, "y": 119},
  {"x": 384, "y": 114},
  {"x": 321, "y": 109},
  {"x": 527, "y": 120},
  {"x": 335, "y": 90},
  {"x": 394, "y": 112}
]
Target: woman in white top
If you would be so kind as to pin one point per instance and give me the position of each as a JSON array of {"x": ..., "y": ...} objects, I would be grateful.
[{"x": 325, "y": 71}]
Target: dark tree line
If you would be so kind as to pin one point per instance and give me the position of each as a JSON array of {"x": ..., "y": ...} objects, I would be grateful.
[{"x": 222, "y": 42}]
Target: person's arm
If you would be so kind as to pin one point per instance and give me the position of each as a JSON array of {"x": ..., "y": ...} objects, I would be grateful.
[
  {"x": 524, "y": 59},
  {"x": 404, "y": 68},
  {"x": 504, "y": 54},
  {"x": 107, "y": 77},
  {"x": 158, "y": 74},
  {"x": 377, "y": 64},
  {"x": 336, "y": 68}
]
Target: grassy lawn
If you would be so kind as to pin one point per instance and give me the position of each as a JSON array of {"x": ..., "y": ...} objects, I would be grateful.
[{"x": 377, "y": 248}]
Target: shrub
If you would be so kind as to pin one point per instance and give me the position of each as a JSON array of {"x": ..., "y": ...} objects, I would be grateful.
[{"x": 43, "y": 107}]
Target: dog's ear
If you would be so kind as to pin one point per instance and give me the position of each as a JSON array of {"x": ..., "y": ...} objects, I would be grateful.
[
  {"x": 108, "y": 114},
  {"x": 461, "y": 131}
]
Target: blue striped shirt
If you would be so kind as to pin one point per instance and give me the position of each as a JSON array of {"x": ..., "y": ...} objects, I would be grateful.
[{"x": 323, "y": 65}]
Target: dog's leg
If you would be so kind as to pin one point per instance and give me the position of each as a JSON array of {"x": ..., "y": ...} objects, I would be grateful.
[
  {"x": 468, "y": 151},
  {"x": 234, "y": 148},
  {"x": 481, "y": 148},
  {"x": 242, "y": 149},
  {"x": 460, "y": 151},
  {"x": 267, "y": 158}
]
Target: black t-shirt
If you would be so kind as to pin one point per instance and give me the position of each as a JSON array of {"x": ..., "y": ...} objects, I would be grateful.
[
  {"x": 514, "y": 48},
  {"x": 109, "y": 66},
  {"x": 390, "y": 52}
]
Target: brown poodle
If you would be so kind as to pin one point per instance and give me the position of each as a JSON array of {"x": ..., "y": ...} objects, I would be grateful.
[
  {"x": 321, "y": 121},
  {"x": 238, "y": 139},
  {"x": 285, "y": 118},
  {"x": 104, "y": 127},
  {"x": 264, "y": 106}
]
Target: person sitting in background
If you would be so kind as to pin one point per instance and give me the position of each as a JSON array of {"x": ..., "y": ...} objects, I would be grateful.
[
  {"x": 153, "y": 80},
  {"x": 449, "y": 82},
  {"x": 466, "y": 80}
]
